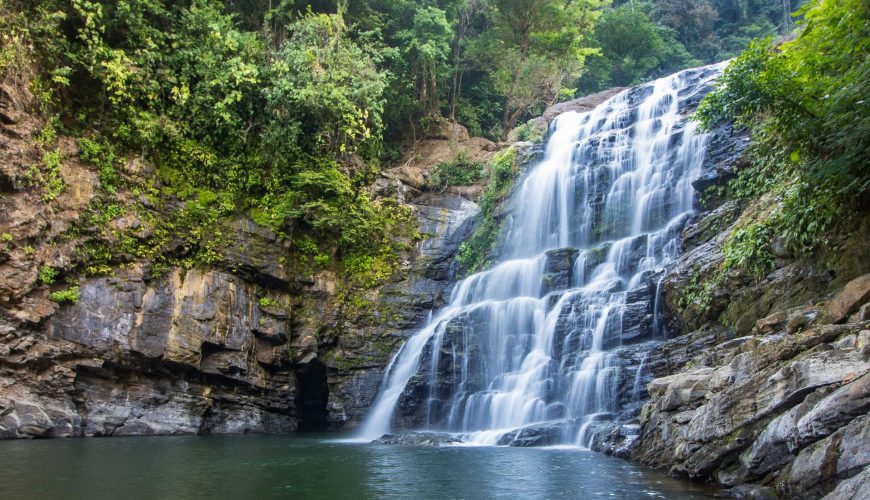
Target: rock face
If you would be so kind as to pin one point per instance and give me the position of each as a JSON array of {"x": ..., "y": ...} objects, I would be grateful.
[
  {"x": 763, "y": 387},
  {"x": 242, "y": 345},
  {"x": 445, "y": 142},
  {"x": 202, "y": 351},
  {"x": 775, "y": 405},
  {"x": 541, "y": 124},
  {"x": 418, "y": 439}
]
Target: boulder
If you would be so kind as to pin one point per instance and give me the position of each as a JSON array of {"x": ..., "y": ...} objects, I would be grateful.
[
  {"x": 680, "y": 389},
  {"x": 559, "y": 270},
  {"x": 534, "y": 435},
  {"x": 855, "y": 488},
  {"x": 581, "y": 104},
  {"x": 839, "y": 456},
  {"x": 855, "y": 294},
  {"x": 418, "y": 439}
]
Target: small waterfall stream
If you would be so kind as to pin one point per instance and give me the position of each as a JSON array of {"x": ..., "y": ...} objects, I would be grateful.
[{"x": 536, "y": 339}]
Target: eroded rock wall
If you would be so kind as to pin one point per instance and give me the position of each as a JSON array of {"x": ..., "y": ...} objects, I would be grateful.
[
  {"x": 241, "y": 347},
  {"x": 762, "y": 387},
  {"x": 242, "y": 344}
]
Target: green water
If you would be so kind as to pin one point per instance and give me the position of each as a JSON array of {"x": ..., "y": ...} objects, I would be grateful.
[{"x": 315, "y": 467}]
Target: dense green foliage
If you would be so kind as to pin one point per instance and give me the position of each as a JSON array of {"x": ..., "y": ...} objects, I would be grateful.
[
  {"x": 633, "y": 48},
  {"x": 640, "y": 40},
  {"x": 488, "y": 64},
  {"x": 70, "y": 295},
  {"x": 200, "y": 110},
  {"x": 805, "y": 102},
  {"x": 286, "y": 124}
]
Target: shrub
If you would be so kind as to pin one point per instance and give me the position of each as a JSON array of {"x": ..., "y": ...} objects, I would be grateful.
[
  {"x": 70, "y": 295},
  {"x": 47, "y": 275}
]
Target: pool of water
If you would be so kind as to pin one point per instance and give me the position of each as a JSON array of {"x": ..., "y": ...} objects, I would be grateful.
[{"x": 308, "y": 466}]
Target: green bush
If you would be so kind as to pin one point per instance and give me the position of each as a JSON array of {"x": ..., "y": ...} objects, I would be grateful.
[
  {"x": 46, "y": 275},
  {"x": 459, "y": 172},
  {"x": 749, "y": 248},
  {"x": 269, "y": 302},
  {"x": 101, "y": 155},
  {"x": 70, "y": 295},
  {"x": 501, "y": 174}
]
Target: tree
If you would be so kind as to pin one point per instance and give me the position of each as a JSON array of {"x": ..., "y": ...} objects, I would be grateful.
[
  {"x": 538, "y": 46},
  {"x": 806, "y": 104},
  {"x": 694, "y": 22},
  {"x": 426, "y": 48},
  {"x": 326, "y": 91},
  {"x": 468, "y": 12}
]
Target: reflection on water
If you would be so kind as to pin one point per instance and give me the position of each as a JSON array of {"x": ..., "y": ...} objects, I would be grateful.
[{"x": 312, "y": 467}]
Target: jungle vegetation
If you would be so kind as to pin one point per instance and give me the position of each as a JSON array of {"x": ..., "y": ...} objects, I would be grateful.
[{"x": 287, "y": 109}]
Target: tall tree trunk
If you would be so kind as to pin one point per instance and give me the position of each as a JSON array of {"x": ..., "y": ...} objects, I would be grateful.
[
  {"x": 506, "y": 116},
  {"x": 466, "y": 13}
]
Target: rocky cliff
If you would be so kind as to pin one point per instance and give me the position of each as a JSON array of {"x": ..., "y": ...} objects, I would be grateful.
[
  {"x": 762, "y": 386},
  {"x": 243, "y": 343},
  {"x": 767, "y": 390}
]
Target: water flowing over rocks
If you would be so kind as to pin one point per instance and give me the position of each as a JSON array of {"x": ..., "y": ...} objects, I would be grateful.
[
  {"x": 762, "y": 389},
  {"x": 587, "y": 331},
  {"x": 543, "y": 347}
]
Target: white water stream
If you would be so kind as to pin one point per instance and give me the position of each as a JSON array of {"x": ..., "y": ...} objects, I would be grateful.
[{"x": 614, "y": 188}]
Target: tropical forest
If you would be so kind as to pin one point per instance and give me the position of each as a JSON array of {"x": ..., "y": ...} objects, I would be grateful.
[{"x": 435, "y": 249}]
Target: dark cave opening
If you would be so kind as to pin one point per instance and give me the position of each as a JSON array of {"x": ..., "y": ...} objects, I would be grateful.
[{"x": 312, "y": 393}]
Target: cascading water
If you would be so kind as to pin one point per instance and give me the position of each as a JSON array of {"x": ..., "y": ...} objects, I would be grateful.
[{"x": 536, "y": 339}]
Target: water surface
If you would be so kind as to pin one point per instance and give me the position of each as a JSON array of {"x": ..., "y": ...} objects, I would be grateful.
[{"x": 315, "y": 467}]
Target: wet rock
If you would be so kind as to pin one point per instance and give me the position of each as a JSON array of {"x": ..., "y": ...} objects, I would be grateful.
[
  {"x": 558, "y": 270},
  {"x": 855, "y": 488},
  {"x": 448, "y": 220},
  {"x": 779, "y": 405},
  {"x": 749, "y": 492},
  {"x": 527, "y": 153},
  {"x": 418, "y": 439},
  {"x": 636, "y": 320},
  {"x": 535, "y": 435},
  {"x": 424, "y": 403},
  {"x": 841, "y": 455},
  {"x": 706, "y": 226},
  {"x": 613, "y": 438},
  {"x": 725, "y": 154}
]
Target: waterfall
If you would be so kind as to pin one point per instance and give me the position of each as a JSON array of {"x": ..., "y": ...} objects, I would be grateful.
[{"x": 537, "y": 338}]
